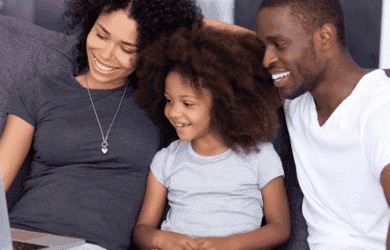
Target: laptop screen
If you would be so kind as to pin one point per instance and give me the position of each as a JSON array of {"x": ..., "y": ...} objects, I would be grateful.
[{"x": 5, "y": 231}]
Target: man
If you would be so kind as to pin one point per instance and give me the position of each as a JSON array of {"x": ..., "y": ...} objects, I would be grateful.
[{"x": 338, "y": 117}]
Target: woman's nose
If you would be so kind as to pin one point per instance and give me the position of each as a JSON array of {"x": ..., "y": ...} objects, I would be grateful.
[{"x": 108, "y": 51}]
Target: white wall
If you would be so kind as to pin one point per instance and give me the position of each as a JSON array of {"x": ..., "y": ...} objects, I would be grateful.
[
  {"x": 220, "y": 10},
  {"x": 384, "y": 54}
]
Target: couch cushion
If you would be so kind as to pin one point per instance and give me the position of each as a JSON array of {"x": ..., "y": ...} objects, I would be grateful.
[{"x": 27, "y": 50}]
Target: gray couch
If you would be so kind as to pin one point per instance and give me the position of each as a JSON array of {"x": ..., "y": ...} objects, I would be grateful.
[{"x": 27, "y": 50}]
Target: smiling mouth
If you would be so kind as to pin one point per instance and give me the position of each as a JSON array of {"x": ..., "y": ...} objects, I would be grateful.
[
  {"x": 105, "y": 68},
  {"x": 278, "y": 77},
  {"x": 182, "y": 124}
]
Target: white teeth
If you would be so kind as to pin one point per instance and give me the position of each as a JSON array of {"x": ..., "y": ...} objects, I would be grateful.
[
  {"x": 103, "y": 67},
  {"x": 278, "y": 77},
  {"x": 182, "y": 124}
]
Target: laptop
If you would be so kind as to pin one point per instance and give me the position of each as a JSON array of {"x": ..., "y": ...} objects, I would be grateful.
[{"x": 12, "y": 238}]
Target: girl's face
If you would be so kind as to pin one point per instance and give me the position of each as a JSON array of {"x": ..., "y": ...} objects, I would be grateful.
[
  {"x": 188, "y": 112},
  {"x": 112, "y": 48}
]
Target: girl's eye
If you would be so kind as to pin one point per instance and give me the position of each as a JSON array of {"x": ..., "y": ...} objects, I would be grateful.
[
  {"x": 168, "y": 100},
  {"x": 188, "y": 104}
]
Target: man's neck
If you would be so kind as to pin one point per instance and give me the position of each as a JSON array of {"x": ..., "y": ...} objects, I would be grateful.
[{"x": 341, "y": 78}]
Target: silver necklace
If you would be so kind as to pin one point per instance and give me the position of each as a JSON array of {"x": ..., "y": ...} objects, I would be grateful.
[{"x": 104, "y": 143}]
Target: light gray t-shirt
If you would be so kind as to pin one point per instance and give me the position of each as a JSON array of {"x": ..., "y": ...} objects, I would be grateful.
[{"x": 214, "y": 195}]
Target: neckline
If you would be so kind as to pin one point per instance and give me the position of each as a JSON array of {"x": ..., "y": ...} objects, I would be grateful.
[
  {"x": 208, "y": 158},
  {"x": 354, "y": 94},
  {"x": 79, "y": 86}
]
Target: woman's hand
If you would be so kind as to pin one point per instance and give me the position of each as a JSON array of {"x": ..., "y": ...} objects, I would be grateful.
[
  {"x": 176, "y": 241},
  {"x": 216, "y": 243}
]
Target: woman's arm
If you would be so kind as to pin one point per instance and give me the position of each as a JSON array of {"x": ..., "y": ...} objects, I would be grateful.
[
  {"x": 145, "y": 234},
  {"x": 276, "y": 231},
  {"x": 15, "y": 144},
  {"x": 226, "y": 26}
]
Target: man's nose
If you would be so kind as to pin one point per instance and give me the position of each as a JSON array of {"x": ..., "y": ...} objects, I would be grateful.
[{"x": 269, "y": 58}]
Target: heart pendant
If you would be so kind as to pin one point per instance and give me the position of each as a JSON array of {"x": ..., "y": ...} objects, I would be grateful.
[{"x": 104, "y": 150}]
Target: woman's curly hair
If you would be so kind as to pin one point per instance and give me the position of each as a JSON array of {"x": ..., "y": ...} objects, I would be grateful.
[
  {"x": 154, "y": 18},
  {"x": 227, "y": 63}
]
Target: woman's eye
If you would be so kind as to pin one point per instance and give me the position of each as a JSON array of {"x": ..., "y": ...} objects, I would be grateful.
[
  {"x": 100, "y": 36},
  {"x": 188, "y": 104},
  {"x": 127, "y": 51}
]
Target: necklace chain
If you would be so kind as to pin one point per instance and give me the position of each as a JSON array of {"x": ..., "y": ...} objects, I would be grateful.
[{"x": 104, "y": 143}]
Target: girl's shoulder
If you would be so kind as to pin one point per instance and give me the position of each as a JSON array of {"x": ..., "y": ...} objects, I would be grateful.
[
  {"x": 267, "y": 153},
  {"x": 175, "y": 148}
]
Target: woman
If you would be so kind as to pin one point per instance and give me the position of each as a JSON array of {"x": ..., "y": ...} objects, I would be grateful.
[{"x": 92, "y": 144}]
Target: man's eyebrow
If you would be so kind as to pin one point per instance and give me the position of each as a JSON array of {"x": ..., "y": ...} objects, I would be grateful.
[
  {"x": 274, "y": 39},
  {"x": 258, "y": 39},
  {"x": 108, "y": 33}
]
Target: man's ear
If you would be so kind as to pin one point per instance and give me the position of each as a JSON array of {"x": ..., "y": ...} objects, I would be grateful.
[{"x": 326, "y": 36}]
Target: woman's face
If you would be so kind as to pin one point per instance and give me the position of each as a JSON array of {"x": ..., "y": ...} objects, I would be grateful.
[{"x": 112, "y": 48}]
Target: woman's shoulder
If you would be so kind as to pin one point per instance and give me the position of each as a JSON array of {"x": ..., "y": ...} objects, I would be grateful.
[{"x": 43, "y": 81}]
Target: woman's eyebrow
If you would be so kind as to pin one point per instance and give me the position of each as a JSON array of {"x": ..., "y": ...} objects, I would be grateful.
[
  {"x": 101, "y": 26},
  {"x": 108, "y": 33}
]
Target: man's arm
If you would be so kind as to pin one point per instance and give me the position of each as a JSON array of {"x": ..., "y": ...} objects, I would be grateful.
[
  {"x": 385, "y": 179},
  {"x": 226, "y": 26}
]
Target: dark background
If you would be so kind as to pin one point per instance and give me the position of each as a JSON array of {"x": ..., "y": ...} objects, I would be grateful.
[{"x": 362, "y": 22}]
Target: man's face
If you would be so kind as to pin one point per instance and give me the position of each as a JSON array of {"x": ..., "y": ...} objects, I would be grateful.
[{"x": 290, "y": 53}]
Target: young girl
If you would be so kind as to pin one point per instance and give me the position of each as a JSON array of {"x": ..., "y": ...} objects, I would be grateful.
[{"x": 223, "y": 172}]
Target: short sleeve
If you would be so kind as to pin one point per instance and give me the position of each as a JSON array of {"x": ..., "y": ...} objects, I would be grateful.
[
  {"x": 159, "y": 164},
  {"x": 25, "y": 101},
  {"x": 269, "y": 165},
  {"x": 376, "y": 139}
]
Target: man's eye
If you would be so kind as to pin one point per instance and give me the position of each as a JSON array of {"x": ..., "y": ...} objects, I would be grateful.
[{"x": 280, "y": 45}]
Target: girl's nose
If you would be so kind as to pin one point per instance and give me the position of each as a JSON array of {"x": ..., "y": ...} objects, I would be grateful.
[{"x": 173, "y": 111}]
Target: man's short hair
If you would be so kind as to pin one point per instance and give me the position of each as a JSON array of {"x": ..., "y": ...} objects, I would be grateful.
[{"x": 316, "y": 12}]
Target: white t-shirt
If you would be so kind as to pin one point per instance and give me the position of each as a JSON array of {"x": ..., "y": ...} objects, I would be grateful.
[
  {"x": 214, "y": 195},
  {"x": 339, "y": 165}
]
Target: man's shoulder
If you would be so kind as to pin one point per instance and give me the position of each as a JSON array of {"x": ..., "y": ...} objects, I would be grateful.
[
  {"x": 376, "y": 95},
  {"x": 291, "y": 106},
  {"x": 376, "y": 86}
]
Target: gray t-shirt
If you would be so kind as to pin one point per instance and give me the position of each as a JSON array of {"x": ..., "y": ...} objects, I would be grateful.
[
  {"x": 74, "y": 189},
  {"x": 214, "y": 195}
]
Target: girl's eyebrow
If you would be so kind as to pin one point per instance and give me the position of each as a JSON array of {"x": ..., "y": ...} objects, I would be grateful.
[{"x": 108, "y": 33}]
